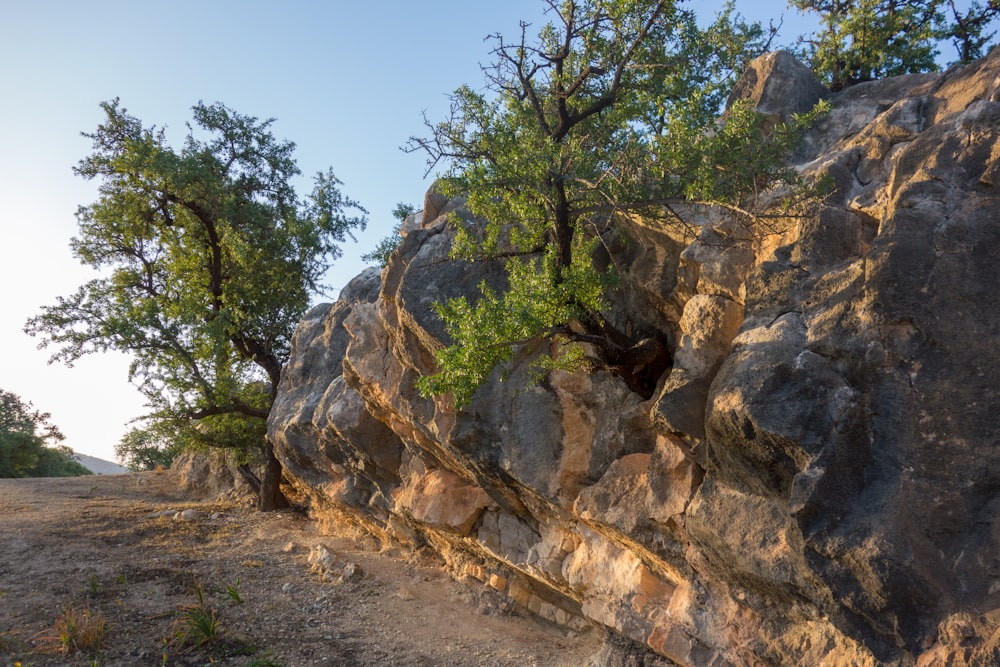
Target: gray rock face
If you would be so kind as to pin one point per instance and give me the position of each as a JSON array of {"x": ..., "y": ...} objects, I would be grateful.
[
  {"x": 815, "y": 479},
  {"x": 330, "y": 445},
  {"x": 779, "y": 86},
  {"x": 212, "y": 476}
]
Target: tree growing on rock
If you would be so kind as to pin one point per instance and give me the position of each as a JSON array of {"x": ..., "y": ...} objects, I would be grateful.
[
  {"x": 968, "y": 30},
  {"x": 386, "y": 246},
  {"x": 208, "y": 259},
  {"x": 612, "y": 108},
  {"x": 873, "y": 39}
]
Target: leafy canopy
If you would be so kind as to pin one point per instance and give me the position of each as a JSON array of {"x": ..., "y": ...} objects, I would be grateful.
[
  {"x": 207, "y": 258},
  {"x": 864, "y": 40},
  {"x": 611, "y": 108},
  {"x": 150, "y": 448},
  {"x": 28, "y": 442},
  {"x": 155, "y": 442},
  {"x": 968, "y": 30}
]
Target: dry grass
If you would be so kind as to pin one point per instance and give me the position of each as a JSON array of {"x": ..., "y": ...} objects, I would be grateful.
[
  {"x": 8, "y": 642},
  {"x": 77, "y": 630}
]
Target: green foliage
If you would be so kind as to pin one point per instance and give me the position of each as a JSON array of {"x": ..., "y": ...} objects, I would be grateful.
[
  {"x": 151, "y": 447},
  {"x": 736, "y": 161},
  {"x": 967, "y": 31},
  {"x": 207, "y": 259},
  {"x": 159, "y": 439},
  {"x": 385, "y": 247},
  {"x": 864, "y": 40},
  {"x": 58, "y": 461},
  {"x": 871, "y": 39},
  {"x": 486, "y": 333},
  {"x": 94, "y": 586},
  {"x": 27, "y": 443},
  {"x": 233, "y": 591},
  {"x": 196, "y": 624},
  {"x": 612, "y": 108}
]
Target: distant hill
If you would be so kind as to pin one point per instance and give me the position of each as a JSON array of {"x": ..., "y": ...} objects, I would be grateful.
[{"x": 99, "y": 466}]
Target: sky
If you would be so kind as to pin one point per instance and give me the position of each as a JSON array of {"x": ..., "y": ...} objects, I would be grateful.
[{"x": 347, "y": 81}]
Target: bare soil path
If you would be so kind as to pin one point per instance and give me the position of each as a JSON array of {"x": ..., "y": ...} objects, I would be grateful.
[{"x": 111, "y": 547}]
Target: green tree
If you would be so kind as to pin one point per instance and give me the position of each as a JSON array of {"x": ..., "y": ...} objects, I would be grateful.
[
  {"x": 208, "y": 259},
  {"x": 967, "y": 30},
  {"x": 864, "y": 40},
  {"x": 28, "y": 443},
  {"x": 385, "y": 247},
  {"x": 57, "y": 461},
  {"x": 613, "y": 107},
  {"x": 153, "y": 446},
  {"x": 158, "y": 440}
]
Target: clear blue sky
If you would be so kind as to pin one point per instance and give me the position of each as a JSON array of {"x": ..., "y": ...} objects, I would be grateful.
[{"x": 347, "y": 81}]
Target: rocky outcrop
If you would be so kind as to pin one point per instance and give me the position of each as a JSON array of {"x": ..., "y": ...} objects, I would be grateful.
[
  {"x": 212, "y": 475},
  {"x": 815, "y": 480}
]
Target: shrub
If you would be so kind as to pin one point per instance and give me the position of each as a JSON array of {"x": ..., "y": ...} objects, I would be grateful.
[{"x": 196, "y": 624}]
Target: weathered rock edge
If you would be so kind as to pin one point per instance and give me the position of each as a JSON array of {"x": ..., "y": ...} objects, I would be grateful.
[{"x": 815, "y": 480}]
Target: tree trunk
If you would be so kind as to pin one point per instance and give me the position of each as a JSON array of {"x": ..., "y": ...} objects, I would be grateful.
[
  {"x": 563, "y": 229},
  {"x": 640, "y": 363},
  {"x": 250, "y": 478},
  {"x": 271, "y": 497}
]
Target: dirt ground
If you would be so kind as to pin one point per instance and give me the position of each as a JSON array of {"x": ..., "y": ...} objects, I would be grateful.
[{"x": 108, "y": 552}]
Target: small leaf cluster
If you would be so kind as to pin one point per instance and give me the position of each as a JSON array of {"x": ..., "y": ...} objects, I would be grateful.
[
  {"x": 484, "y": 334},
  {"x": 387, "y": 245},
  {"x": 196, "y": 624}
]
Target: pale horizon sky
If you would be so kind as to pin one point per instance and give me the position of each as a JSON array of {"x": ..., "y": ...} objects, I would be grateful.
[{"x": 346, "y": 81}]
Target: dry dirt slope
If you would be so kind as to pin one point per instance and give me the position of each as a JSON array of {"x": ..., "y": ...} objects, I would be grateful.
[{"x": 104, "y": 544}]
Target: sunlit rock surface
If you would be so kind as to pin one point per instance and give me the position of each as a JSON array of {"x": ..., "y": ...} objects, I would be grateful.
[{"x": 816, "y": 480}]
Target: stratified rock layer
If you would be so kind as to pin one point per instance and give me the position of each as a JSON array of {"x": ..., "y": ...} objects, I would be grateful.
[{"x": 815, "y": 480}]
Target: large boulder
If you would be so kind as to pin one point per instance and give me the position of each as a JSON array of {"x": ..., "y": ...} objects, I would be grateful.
[
  {"x": 212, "y": 475},
  {"x": 778, "y": 85},
  {"x": 328, "y": 442},
  {"x": 813, "y": 481}
]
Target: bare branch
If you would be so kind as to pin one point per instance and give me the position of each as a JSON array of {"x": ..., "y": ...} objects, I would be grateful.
[
  {"x": 611, "y": 95},
  {"x": 525, "y": 75}
]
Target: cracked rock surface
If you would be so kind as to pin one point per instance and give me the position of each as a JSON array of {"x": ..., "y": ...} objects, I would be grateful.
[{"x": 815, "y": 480}]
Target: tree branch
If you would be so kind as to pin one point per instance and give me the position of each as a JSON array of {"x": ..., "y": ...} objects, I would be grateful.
[{"x": 237, "y": 407}]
